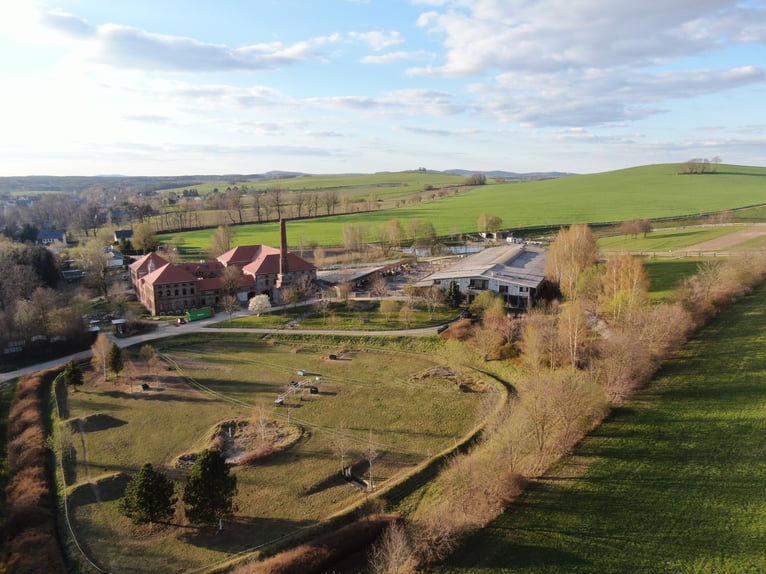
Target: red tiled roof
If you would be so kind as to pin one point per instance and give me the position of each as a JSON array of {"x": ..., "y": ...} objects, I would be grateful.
[
  {"x": 269, "y": 264},
  {"x": 169, "y": 273},
  {"x": 144, "y": 262},
  {"x": 204, "y": 267},
  {"x": 243, "y": 254},
  {"x": 212, "y": 284}
]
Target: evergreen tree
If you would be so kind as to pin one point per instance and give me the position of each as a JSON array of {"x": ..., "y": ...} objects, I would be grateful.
[
  {"x": 210, "y": 489},
  {"x": 115, "y": 360},
  {"x": 72, "y": 374},
  {"x": 149, "y": 497},
  {"x": 453, "y": 297}
]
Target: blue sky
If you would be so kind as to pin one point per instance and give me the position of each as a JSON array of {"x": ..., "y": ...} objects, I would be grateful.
[{"x": 176, "y": 87}]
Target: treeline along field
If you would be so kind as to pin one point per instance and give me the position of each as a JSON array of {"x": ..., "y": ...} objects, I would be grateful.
[{"x": 672, "y": 482}]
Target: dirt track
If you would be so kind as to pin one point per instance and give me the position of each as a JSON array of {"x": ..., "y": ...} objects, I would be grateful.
[{"x": 730, "y": 240}]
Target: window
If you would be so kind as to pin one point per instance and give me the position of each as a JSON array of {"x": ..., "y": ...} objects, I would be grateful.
[
  {"x": 502, "y": 289},
  {"x": 478, "y": 284}
]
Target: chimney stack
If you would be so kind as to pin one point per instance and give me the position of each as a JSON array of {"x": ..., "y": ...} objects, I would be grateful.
[{"x": 282, "y": 248}]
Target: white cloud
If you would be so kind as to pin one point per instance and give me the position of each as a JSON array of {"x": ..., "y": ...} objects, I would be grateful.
[
  {"x": 378, "y": 39},
  {"x": 395, "y": 57},
  {"x": 129, "y": 47}
]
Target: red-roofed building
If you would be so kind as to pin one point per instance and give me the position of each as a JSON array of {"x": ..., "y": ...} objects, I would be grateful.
[{"x": 167, "y": 288}]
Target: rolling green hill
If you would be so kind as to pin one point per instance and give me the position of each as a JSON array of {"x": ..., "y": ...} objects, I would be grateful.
[{"x": 654, "y": 191}]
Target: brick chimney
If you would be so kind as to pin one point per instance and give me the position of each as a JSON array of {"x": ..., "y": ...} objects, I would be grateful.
[{"x": 282, "y": 247}]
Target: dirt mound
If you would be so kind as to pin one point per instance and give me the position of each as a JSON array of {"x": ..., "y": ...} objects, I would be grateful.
[{"x": 240, "y": 440}]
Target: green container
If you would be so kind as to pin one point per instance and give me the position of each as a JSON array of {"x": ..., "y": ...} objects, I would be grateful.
[{"x": 197, "y": 314}]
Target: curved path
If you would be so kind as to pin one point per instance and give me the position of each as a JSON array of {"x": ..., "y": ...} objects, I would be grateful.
[{"x": 166, "y": 329}]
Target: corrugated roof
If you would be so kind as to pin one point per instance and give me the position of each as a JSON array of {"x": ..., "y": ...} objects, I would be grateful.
[{"x": 518, "y": 264}]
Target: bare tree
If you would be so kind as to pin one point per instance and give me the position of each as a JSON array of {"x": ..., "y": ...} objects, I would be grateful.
[
  {"x": 388, "y": 307},
  {"x": 372, "y": 454},
  {"x": 432, "y": 297},
  {"x": 573, "y": 251},
  {"x": 379, "y": 286},
  {"x": 275, "y": 199},
  {"x": 101, "y": 349},
  {"x": 220, "y": 241},
  {"x": 340, "y": 443},
  {"x": 394, "y": 553}
]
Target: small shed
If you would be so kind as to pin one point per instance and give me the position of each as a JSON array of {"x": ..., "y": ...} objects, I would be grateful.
[{"x": 120, "y": 327}]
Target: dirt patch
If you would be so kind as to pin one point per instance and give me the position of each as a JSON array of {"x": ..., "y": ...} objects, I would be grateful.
[{"x": 730, "y": 240}]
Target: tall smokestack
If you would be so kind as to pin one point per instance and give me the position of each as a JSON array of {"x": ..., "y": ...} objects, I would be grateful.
[{"x": 282, "y": 247}]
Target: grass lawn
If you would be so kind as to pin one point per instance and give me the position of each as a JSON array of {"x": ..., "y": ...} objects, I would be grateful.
[
  {"x": 665, "y": 274},
  {"x": 357, "y": 315},
  {"x": 673, "y": 482},
  {"x": 664, "y": 240},
  {"x": 220, "y": 377}
]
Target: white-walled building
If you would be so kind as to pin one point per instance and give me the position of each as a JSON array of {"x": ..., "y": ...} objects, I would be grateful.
[{"x": 515, "y": 272}]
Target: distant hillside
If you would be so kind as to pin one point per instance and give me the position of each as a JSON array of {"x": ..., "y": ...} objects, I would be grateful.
[
  {"x": 58, "y": 184},
  {"x": 508, "y": 174}
]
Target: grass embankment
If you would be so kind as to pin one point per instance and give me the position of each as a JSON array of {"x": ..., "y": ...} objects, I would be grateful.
[
  {"x": 673, "y": 482},
  {"x": 365, "y": 390},
  {"x": 652, "y": 192}
]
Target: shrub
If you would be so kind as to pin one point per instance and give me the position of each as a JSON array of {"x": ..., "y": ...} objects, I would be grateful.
[{"x": 256, "y": 455}]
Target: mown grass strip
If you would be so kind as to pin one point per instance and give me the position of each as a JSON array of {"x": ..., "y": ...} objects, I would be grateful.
[{"x": 673, "y": 482}]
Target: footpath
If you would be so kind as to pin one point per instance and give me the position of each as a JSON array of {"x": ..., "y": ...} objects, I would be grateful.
[{"x": 166, "y": 329}]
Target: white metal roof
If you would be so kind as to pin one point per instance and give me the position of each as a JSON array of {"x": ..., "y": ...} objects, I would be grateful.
[{"x": 518, "y": 264}]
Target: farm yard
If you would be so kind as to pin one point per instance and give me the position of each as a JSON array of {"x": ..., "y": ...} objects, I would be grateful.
[{"x": 402, "y": 406}]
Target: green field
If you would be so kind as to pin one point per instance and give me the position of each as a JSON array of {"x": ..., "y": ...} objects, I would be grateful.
[
  {"x": 665, "y": 239},
  {"x": 665, "y": 274},
  {"x": 643, "y": 192},
  {"x": 384, "y": 185},
  {"x": 369, "y": 389},
  {"x": 673, "y": 482}
]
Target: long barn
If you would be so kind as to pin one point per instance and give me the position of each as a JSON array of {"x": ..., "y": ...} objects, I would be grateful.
[{"x": 516, "y": 272}]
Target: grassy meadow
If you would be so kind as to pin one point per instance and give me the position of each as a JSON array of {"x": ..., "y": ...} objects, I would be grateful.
[
  {"x": 665, "y": 274},
  {"x": 672, "y": 482},
  {"x": 652, "y": 192},
  {"x": 357, "y": 315},
  {"x": 665, "y": 239},
  {"x": 371, "y": 392}
]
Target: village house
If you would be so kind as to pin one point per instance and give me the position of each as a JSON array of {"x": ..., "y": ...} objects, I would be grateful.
[{"x": 50, "y": 236}]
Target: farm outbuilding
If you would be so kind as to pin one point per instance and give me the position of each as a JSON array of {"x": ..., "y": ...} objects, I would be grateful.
[{"x": 516, "y": 272}]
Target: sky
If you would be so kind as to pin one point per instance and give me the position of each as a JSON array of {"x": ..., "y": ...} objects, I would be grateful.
[{"x": 176, "y": 87}]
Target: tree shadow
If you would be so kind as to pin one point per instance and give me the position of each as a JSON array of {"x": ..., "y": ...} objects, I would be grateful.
[{"x": 240, "y": 533}]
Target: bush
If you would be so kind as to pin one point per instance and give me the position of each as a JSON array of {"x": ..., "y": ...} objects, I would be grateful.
[
  {"x": 256, "y": 455},
  {"x": 30, "y": 544}
]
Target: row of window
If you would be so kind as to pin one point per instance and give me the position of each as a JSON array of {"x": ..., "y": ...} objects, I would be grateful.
[{"x": 183, "y": 292}]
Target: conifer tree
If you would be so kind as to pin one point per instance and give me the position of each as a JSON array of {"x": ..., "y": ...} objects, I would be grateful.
[{"x": 149, "y": 497}]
